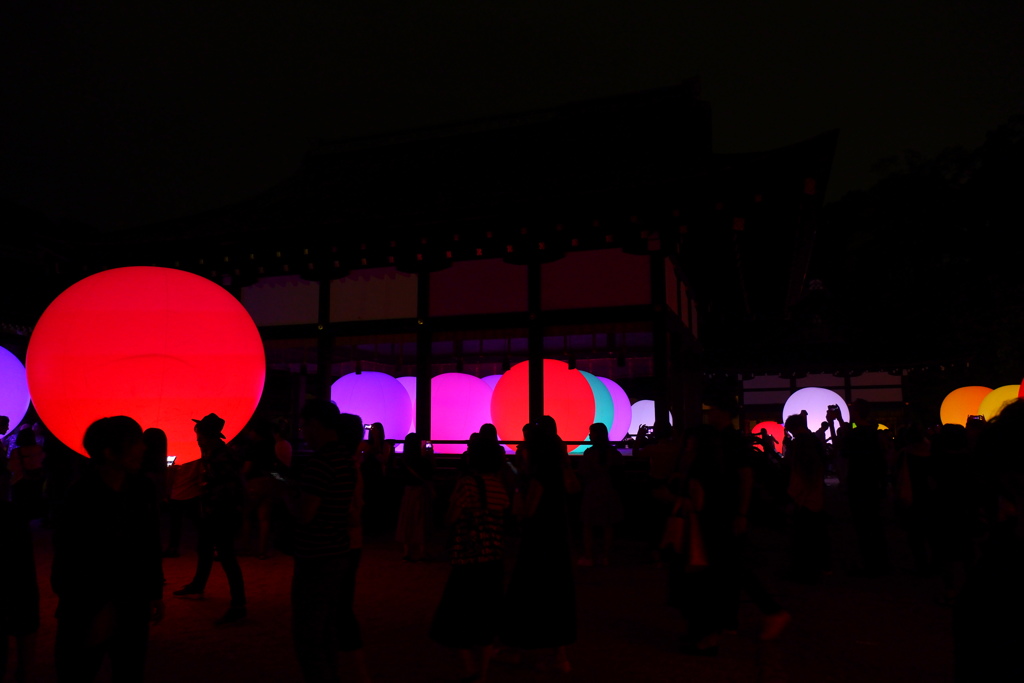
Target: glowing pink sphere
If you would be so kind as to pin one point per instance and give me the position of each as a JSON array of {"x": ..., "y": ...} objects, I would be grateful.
[
  {"x": 409, "y": 383},
  {"x": 459, "y": 404},
  {"x": 162, "y": 346},
  {"x": 492, "y": 380},
  {"x": 775, "y": 430},
  {"x": 623, "y": 411},
  {"x": 374, "y": 397},
  {"x": 568, "y": 398},
  {"x": 14, "y": 396}
]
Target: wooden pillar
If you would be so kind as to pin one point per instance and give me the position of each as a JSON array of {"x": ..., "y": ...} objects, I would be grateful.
[
  {"x": 424, "y": 350},
  {"x": 659, "y": 333},
  {"x": 535, "y": 340},
  {"x": 324, "y": 341}
]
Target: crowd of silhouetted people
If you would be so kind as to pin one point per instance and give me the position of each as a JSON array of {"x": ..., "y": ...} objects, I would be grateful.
[{"x": 957, "y": 493}]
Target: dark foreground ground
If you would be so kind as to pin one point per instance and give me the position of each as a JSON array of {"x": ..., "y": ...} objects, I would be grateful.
[{"x": 847, "y": 629}]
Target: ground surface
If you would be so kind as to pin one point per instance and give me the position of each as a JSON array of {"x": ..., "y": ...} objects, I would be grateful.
[{"x": 847, "y": 629}]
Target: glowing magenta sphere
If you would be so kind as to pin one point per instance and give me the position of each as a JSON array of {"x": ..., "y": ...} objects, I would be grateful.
[
  {"x": 568, "y": 398},
  {"x": 642, "y": 413},
  {"x": 459, "y": 404},
  {"x": 774, "y": 430},
  {"x": 375, "y": 397},
  {"x": 996, "y": 400},
  {"x": 961, "y": 403},
  {"x": 623, "y": 410},
  {"x": 14, "y": 397},
  {"x": 815, "y": 401},
  {"x": 162, "y": 346},
  {"x": 409, "y": 383}
]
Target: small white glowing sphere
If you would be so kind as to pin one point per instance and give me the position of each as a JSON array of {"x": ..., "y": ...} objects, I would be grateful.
[{"x": 643, "y": 414}]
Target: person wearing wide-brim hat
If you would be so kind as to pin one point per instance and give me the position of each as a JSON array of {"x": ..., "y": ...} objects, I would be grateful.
[{"x": 220, "y": 516}]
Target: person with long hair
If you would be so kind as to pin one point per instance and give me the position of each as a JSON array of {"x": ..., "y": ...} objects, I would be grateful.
[{"x": 602, "y": 505}]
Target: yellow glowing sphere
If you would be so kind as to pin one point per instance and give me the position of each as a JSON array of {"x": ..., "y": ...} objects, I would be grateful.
[
  {"x": 961, "y": 403},
  {"x": 998, "y": 399}
]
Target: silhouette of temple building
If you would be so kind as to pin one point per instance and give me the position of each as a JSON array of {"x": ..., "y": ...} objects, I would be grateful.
[{"x": 605, "y": 233}]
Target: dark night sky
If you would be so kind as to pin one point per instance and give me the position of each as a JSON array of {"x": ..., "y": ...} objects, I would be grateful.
[{"x": 118, "y": 115}]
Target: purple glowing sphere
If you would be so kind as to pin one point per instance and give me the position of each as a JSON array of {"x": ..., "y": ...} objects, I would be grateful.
[
  {"x": 375, "y": 397},
  {"x": 14, "y": 397}
]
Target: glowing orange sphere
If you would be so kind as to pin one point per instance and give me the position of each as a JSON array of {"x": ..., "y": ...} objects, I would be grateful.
[
  {"x": 961, "y": 403},
  {"x": 160, "y": 345},
  {"x": 567, "y": 397}
]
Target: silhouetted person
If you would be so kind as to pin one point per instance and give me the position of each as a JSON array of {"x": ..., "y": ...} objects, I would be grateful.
[
  {"x": 956, "y": 509},
  {"x": 736, "y": 554},
  {"x": 601, "y": 507},
  {"x": 5, "y": 474},
  {"x": 467, "y": 617},
  {"x": 987, "y": 624},
  {"x": 700, "y": 569},
  {"x": 415, "y": 517},
  {"x": 282, "y": 446},
  {"x": 25, "y": 463},
  {"x": 540, "y": 605},
  {"x": 106, "y": 559},
  {"x": 323, "y": 584},
  {"x": 154, "y": 460},
  {"x": 806, "y": 457},
  {"x": 19, "y": 596},
  {"x": 186, "y": 486},
  {"x": 220, "y": 516},
  {"x": 664, "y": 461},
  {"x": 261, "y": 488},
  {"x": 865, "y": 449},
  {"x": 375, "y": 454}
]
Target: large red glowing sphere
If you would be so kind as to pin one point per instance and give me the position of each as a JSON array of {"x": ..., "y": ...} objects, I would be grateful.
[
  {"x": 775, "y": 431},
  {"x": 162, "y": 346},
  {"x": 567, "y": 397}
]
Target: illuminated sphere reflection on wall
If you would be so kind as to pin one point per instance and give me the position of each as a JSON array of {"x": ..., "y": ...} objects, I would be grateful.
[
  {"x": 815, "y": 401},
  {"x": 14, "y": 396},
  {"x": 997, "y": 399},
  {"x": 162, "y": 346},
  {"x": 375, "y": 397},
  {"x": 459, "y": 404},
  {"x": 568, "y": 398}
]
